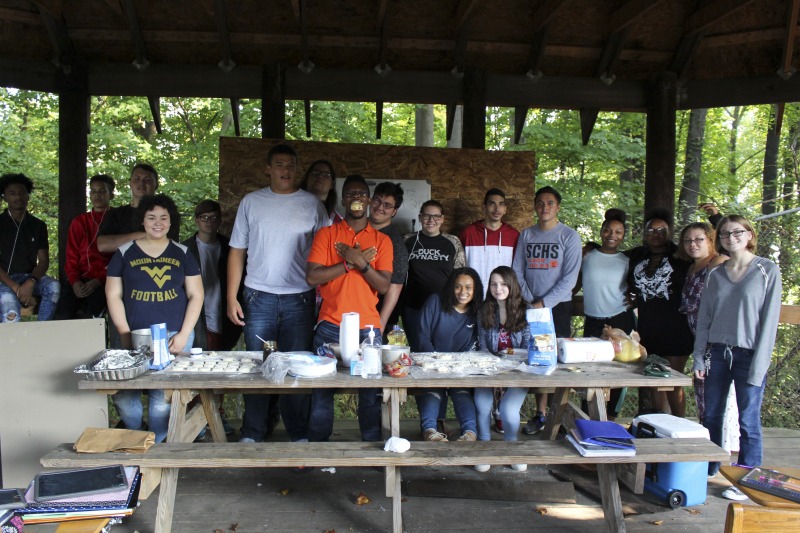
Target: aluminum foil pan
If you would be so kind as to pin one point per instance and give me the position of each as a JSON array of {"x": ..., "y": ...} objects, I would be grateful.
[{"x": 115, "y": 365}]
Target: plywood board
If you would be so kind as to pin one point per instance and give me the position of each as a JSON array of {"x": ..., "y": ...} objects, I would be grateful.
[
  {"x": 40, "y": 404},
  {"x": 459, "y": 177}
]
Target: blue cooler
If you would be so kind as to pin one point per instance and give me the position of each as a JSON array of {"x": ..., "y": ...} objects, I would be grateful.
[{"x": 679, "y": 484}]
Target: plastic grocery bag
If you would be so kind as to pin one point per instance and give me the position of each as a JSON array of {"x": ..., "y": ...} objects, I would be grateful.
[
  {"x": 542, "y": 349},
  {"x": 626, "y": 347}
]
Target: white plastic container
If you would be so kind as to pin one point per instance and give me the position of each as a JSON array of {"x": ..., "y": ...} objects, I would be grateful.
[{"x": 371, "y": 357}]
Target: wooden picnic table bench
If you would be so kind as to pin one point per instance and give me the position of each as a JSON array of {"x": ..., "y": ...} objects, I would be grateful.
[
  {"x": 593, "y": 378},
  {"x": 370, "y": 454}
]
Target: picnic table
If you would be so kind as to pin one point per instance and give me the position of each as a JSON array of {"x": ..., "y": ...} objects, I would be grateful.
[{"x": 179, "y": 451}]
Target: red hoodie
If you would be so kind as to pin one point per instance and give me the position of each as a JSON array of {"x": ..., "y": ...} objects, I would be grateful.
[
  {"x": 488, "y": 249},
  {"x": 84, "y": 261}
]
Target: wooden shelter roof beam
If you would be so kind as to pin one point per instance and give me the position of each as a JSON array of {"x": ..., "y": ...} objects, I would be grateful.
[
  {"x": 23, "y": 16},
  {"x": 235, "y": 114},
  {"x": 398, "y": 86},
  {"x": 628, "y": 13},
  {"x": 621, "y": 20},
  {"x": 300, "y": 10},
  {"x": 53, "y": 22},
  {"x": 226, "y": 51},
  {"x": 137, "y": 37},
  {"x": 787, "y": 69},
  {"x": 712, "y": 12},
  {"x": 382, "y": 29},
  {"x": 465, "y": 11}
]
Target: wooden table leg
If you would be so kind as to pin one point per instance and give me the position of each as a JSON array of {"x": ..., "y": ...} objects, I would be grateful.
[
  {"x": 397, "y": 503},
  {"x": 211, "y": 410},
  {"x": 166, "y": 500},
  {"x": 169, "y": 476},
  {"x": 606, "y": 474},
  {"x": 391, "y": 404},
  {"x": 559, "y": 404}
]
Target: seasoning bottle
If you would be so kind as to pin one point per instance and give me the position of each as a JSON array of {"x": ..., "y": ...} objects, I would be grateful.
[{"x": 371, "y": 356}]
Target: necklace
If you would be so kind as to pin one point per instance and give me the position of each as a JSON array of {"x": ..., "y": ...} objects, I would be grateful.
[{"x": 14, "y": 248}]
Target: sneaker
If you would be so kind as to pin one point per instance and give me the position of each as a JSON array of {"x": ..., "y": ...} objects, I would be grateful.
[
  {"x": 202, "y": 435},
  {"x": 482, "y": 468},
  {"x": 733, "y": 493},
  {"x": 246, "y": 439},
  {"x": 535, "y": 424},
  {"x": 468, "y": 436},
  {"x": 498, "y": 423},
  {"x": 432, "y": 435},
  {"x": 519, "y": 468}
]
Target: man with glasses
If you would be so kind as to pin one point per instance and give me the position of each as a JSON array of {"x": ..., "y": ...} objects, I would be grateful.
[
  {"x": 272, "y": 234},
  {"x": 386, "y": 200},
  {"x": 124, "y": 224},
  {"x": 432, "y": 257},
  {"x": 547, "y": 263},
  {"x": 352, "y": 263},
  {"x": 214, "y": 330}
]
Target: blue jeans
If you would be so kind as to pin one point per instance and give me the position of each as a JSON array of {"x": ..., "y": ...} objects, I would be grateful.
[
  {"x": 130, "y": 409},
  {"x": 47, "y": 289},
  {"x": 287, "y": 319},
  {"x": 320, "y": 425},
  {"x": 463, "y": 404},
  {"x": 724, "y": 365},
  {"x": 509, "y": 411}
]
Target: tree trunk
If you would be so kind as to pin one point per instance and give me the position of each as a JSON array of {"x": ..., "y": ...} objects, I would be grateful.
[
  {"x": 424, "y": 125},
  {"x": 770, "y": 177},
  {"x": 689, "y": 196},
  {"x": 734, "y": 135}
]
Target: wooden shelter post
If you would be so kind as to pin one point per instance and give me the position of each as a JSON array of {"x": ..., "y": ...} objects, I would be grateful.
[
  {"x": 474, "y": 114},
  {"x": 659, "y": 184},
  {"x": 73, "y": 146},
  {"x": 273, "y": 102}
]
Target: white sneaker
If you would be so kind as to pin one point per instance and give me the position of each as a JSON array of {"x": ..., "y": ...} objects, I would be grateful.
[
  {"x": 246, "y": 439},
  {"x": 733, "y": 493},
  {"x": 482, "y": 468},
  {"x": 519, "y": 468}
]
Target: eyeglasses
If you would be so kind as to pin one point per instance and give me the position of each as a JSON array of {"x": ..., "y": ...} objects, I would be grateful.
[
  {"x": 356, "y": 194},
  {"x": 653, "y": 231},
  {"x": 208, "y": 218},
  {"x": 318, "y": 173},
  {"x": 435, "y": 218},
  {"x": 698, "y": 241},
  {"x": 735, "y": 233},
  {"x": 386, "y": 205}
]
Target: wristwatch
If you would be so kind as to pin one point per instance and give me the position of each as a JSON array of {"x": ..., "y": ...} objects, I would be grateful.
[{"x": 365, "y": 269}]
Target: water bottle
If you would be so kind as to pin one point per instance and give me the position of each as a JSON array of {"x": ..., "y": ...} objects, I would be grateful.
[{"x": 371, "y": 357}]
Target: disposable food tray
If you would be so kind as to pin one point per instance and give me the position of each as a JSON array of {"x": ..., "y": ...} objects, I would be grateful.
[{"x": 90, "y": 371}]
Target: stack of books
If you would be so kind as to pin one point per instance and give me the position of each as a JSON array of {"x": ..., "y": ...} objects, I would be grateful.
[
  {"x": 117, "y": 503},
  {"x": 595, "y": 438}
]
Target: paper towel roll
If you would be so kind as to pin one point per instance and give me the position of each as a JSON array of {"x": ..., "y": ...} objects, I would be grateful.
[{"x": 348, "y": 337}]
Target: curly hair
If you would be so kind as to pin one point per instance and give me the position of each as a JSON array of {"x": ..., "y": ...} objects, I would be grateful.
[
  {"x": 705, "y": 227},
  {"x": 12, "y": 179},
  {"x": 448, "y": 294},
  {"x": 148, "y": 203},
  {"x": 515, "y": 305}
]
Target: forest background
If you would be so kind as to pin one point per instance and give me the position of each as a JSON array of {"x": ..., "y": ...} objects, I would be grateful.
[{"x": 734, "y": 157}]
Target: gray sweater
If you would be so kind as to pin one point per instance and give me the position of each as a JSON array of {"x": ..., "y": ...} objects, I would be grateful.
[
  {"x": 547, "y": 264},
  {"x": 743, "y": 314}
]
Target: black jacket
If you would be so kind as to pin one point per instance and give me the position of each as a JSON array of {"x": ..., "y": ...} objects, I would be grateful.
[{"x": 230, "y": 331}]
